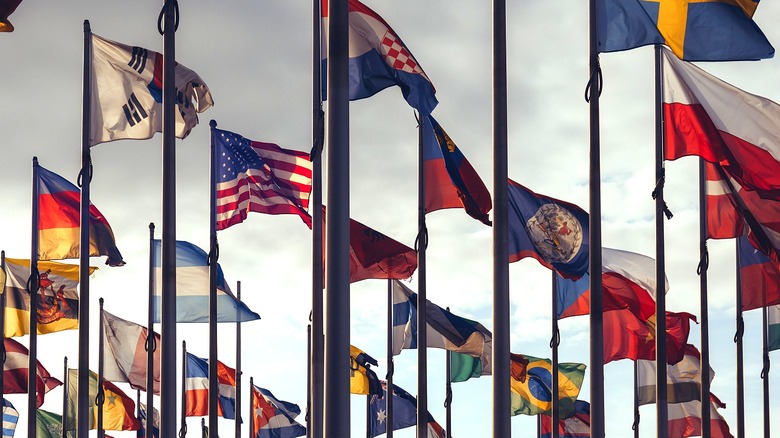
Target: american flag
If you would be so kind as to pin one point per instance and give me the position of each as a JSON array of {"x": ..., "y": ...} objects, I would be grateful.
[{"x": 259, "y": 177}]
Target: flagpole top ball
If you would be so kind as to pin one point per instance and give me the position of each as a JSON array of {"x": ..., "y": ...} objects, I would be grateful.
[{"x": 213, "y": 123}]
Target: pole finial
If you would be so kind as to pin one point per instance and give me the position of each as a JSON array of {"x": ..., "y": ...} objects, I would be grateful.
[{"x": 213, "y": 123}]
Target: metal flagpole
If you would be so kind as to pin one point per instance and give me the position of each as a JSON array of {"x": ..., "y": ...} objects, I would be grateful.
[
  {"x": 765, "y": 369},
  {"x": 740, "y": 354},
  {"x": 704, "y": 263},
  {"x": 32, "y": 289},
  {"x": 167, "y": 23},
  {"x": 183, "y": 429},
  {"x": 336, "y": 375},
  {"x": 502, "y": 426},
  {"x": 238, "y": 367},
  {"x": 635, "y": 425},
  {"x": 252, "y": 431},
  {"x": 65, "y": 395},
  {"x": 142, "y": 430},
  {"x": 662, "y": 413},
  {"x": 308, "y": 382},
  {"x": 448, "y": 395},
  {"x": 151, "y": 340},
  {"x": 554, "y": 343},
  {"x": 101, "y": 396},
  {"x": 390, "y": 362},
  {"x": 85, "y": 177},
  {"x": 368, "y": 417},
  {"x": 422, "y": 294},
  {"x": 2, "y": 317},
  {"x": 213, "y": 257},
  {"x": 596, "y": 316}
]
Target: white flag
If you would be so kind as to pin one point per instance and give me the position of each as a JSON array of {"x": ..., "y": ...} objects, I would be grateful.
[
  {"x": 124, "y": 353},
  {"x": 126, "y": 93}
]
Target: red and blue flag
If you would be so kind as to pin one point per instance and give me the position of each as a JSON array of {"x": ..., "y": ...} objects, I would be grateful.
[
  {"x": 759, "y": 277},
  {"x": 197, "y": 388},
  {"x": 576, "y": 426},
  {"x": 274, "y": 418}
]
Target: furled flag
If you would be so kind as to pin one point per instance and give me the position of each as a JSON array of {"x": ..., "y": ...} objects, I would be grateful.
[
  {"x": 531, "y": 384},
  {"x": 720, "y": 123},
  {"x": 59, "y": 213},
  {"x": 685, "y": 419},
  {"x": 553, "y": 232},
  {"x": 155, "y": 422},
  {"x": 362, "y": 379},
  {"x": 707, "y": 30},
  {"x": 48, "y": 424},
  {"x": 118, "y": 408},
  {"x": 10, "y": 418},
  {"x": 759, "y": 277},
  {"x": 57, "y": 297},
  {"x": 7, "y": 7},
  {"x": 576, "y": 426},
  {"x": 404, "y": 413},
  {"x": 125, "y": 353},
  {"x": 259, "y": 177},
  {"x": 445, "y": 329},
  {"x": 192, "y": 288},
  {"x": 126, "y": 93},
  {"x": 197, "y": 388},
  {"x": 626, "y": 336},
  {"x": 15, "y": 372},
  {"x": 683, "y": 379},
  {"x": 450, "y": 181},
  {"x": 274, "y": 418},
  {"x": 773, "y": 328},
  {"x": 379, "y": 59},
  {"x": 374, "y": 255}
]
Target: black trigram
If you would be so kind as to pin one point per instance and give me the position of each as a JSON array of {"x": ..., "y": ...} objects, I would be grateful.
[
  {"x": 138, "y": 60},
  {"x": 134, "y": 112}
]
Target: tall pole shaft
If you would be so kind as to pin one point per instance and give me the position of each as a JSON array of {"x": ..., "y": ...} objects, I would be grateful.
[
  {"x": 554, "y": 343},
  {"x": 213, "y": 256},
  {"x": 703, "y": 307},
  {"x": 765, "y": 370},
  {"x": 238, "y": 367},
  {"x": 65, "y": 397},
  {"x": 336, "y": 397},
  {"x": 390, "y": 362},
  {"x": 183, "y": 430},
  {"x": 502, "y": 426},
  {"x": 422, "y": 292},
  {"x": 32, "y": 289},
  {"x": 100, "y": 394},
  {"x": 740, "y": 353},
  {"x": 635, "y": 426},
  {"x": 2, "y": 321},
  {"x": 252, "y": 431},
  {"x": 151, "y": 340}
]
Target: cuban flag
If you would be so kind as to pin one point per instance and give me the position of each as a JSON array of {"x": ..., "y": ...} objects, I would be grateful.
[
  {"x": 274, "y": 418},
  {"x": 197, "y": 388},
  {"x": 379, "y": 59}
]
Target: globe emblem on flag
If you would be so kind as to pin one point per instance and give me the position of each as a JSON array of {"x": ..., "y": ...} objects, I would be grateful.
[{"x": 555, "y": 233}]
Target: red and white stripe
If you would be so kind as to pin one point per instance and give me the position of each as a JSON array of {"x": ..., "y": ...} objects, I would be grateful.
[
  {"x": 15, "y": 372},
  {"x": 685, "y": 419}
]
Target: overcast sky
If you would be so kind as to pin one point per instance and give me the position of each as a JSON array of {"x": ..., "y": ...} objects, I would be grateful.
[{"x": 256, "y": 58}]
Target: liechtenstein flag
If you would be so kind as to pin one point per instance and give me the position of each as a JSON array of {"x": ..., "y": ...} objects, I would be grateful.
[{"x": 379, "y": 59}]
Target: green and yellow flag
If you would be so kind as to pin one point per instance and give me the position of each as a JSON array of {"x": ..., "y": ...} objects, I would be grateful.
[
  {"x": 48, "y": 424},
  {"x": 531, "y": 383},
  {"x": 118, "y": 408}
]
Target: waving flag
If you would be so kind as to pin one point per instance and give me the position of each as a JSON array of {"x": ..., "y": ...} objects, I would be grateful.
[
  {"x": 197, "y": 388},
  {"x": 126, "y": 93},
  {"x": 16, "y": 372},
  {"x": 259, "y": 177},
  {"x": 531, "y": 383},
  {"x": 450, "y": 181},
  {"x": 48, "y": 424},
  {"x": 685, "y": 419},
  {"x": 404, "y": 413},
  {"x": 626, "y": 336},
  {"x": 125, "y": 354},
  {"x": 274, "y": 418},
  {"x": 683, "y": 379},
  {"x": 155, "y": 422},
  {"x": 118, "y": 408},
  {"x": 379, "y": 59},
  {"x": 553, "y": 232},
  {"x": 59, "y": 213},
  {"x": 192, "y": 288},
  {"x": 759, "y": 277},
  {"x": 707, "y": 30},
  {"x": 362, "y": 379},
  {"x": 576, "y": 426},
  {"x": 7, "y": 7},
  {"x": 10, "y": 418}
]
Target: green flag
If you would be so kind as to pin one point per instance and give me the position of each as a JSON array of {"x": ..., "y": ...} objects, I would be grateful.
[
  {"x": 49, "y": 424},
  {"x": 464, "y": 367}
]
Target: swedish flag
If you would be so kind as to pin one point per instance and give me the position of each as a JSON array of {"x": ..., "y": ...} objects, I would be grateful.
[{"x": 531, "y": 382}]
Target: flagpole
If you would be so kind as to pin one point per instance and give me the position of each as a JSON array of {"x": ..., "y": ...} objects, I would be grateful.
[
  {"x": 151, "y": 340},
  {"x": 740, "y": 354},
  {"x": 238, "y": 366},
  {"x": 204, "y": 432},
  {"x": 502, "y": 427},
  {"x": 390, "y": 362},
  {"x": 100, "y": 399},
  {"x": 65, "y": 390},
  {"x": 143, "y": 427},
  {"x": 662, "y": 413},
  {"x": 32, "y": 288},
  {"x": 705, "y": 324},
  {"x": 183, "y": 429},
  {"x": 167, "y": 22},
  {"x": 213, "y": 257},
  {"x": 422, "y": 299},
  {"x": 308, "y": 383},
  {"x": 596, "y": 317},
  {"x": 85, "y": 176},
  {"x": 252, "y": 431},
  {"x": 368, "y": 417},
  {"x": 635, "y": 426},
  {"x": 448, "y": 386},
  {"x": 2, "y": 318},
  {"x": 554, "y": 343},
  {"x": 336, "y": 375},
  {"x": 765, "y": 369}
]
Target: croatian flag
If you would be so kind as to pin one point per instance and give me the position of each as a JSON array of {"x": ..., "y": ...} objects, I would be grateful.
[
  {"x": 192, "y": 288},
  {"x": 197, "y": 388},
  {"x": 379, "y": 59}
]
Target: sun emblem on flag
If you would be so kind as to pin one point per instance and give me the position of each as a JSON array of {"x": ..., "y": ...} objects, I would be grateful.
[{"x": 555, "y": 233}]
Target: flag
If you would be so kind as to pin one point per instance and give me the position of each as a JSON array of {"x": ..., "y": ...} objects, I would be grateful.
[
  {"x": 531, "y": 383},
  {"x": 274, "y": 418},
  {"x": 720, "y": 123},
  {"x": 707, "y": 30},
  {"x": 155, "y": 422},
  {"x": 404, "y": 413},
  {"x": 374, "y": 255},
  {"x": 553, "y": 232},
  {"x": 379, "y": 59},
  {"x": 197, "y": 388},
  {"x": 463, "y": 367},
  {"x": 450, "y": 181},
  {"x": 576, "y": 426},
  {"x": 48, "y": 424},
  {"x": 125, "y": 356},
  {"x": 723, "y": 219},
  {"x": 59, "y": 213},
  {"x": 260, "y": 177},
  {"x": 118, "y": 408},
  {"x": 7, "y": 7},
  {"x": 773, "y": 329},
  {"x": 445, "y": 329},
  {"x": 126, "y": 93},
  {"x": 628, "y": 337},
  {"x": 362, "y": 379},
  {"x": 758, "y": 275},
  {"x": 15, "y": 372},
  {"x": 192, "y": 288},
  {"x": 10, "y": 418},
  {"x": 58, "y": 300},
  {"x": 685, "y": 419},
  {"x": 683, "y": 379}
]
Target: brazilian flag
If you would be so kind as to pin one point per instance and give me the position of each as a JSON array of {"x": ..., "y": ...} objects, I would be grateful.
[{"x": 531, "y": 382}]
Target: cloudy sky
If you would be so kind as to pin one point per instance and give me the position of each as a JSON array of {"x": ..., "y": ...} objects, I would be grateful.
[{"x": 256, "y": 58}]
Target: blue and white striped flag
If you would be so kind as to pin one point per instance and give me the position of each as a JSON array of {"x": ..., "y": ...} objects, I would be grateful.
[{"x": 10, "y": 418}]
